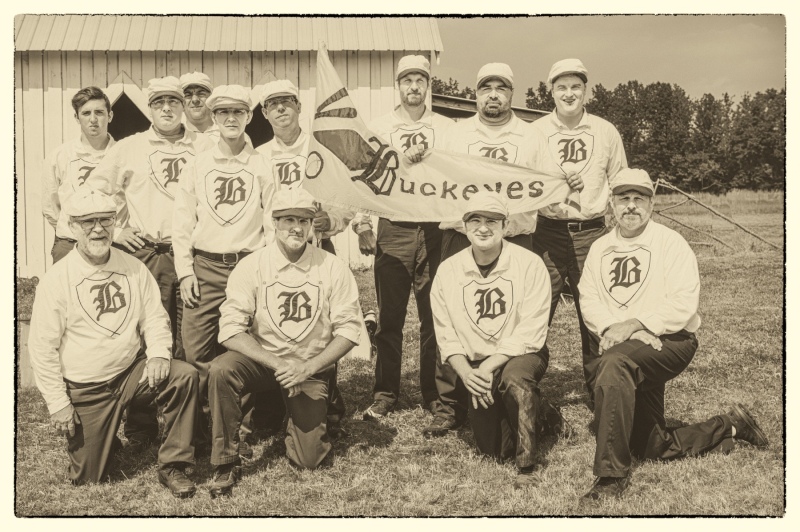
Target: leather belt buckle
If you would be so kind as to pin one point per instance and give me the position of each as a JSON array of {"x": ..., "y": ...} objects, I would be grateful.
[
  {"x": 574, "y": 227},
  {"x": 230, "y": 258}
]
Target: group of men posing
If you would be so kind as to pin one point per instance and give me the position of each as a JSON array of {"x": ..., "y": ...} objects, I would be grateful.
[{"x": 198, "y": 273}]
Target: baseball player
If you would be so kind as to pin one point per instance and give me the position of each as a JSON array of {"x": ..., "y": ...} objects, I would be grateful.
[
  {"x": 68, "y": 166},
  {"x": 406, "y": 253},
  {"x": 639, "y": 293},
  {"x": 494, "y": 132},
  {"x": 490, "y": 304},
  {"x": 93, "y": 313},
  {"x": 291, "y": 312},
  {"x": 286, "y": 153},
  {"x": 143, "y": 173},
  {"x": 588, "y": 151},
  {"x": 221, "y": 215},
  {"x": 196, "y": 88}
]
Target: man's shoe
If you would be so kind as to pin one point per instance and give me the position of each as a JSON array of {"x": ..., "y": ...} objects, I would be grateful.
[
  {"x": 378, "y": 410},
  {"x": 245, "y": 451},
  {"x": 746, "y": 427},
  {"x": 225, "y": 478},
  {"x": 525, "y": 479},
  {"x": 174, "y": 478},
  {"x": 606, "y": 488},
  {"x": 138, "y": 443},
  {"x": 335, "y": 431},
  {"x": 552, "y": 422},
  {"x": 440, "y": 426}
]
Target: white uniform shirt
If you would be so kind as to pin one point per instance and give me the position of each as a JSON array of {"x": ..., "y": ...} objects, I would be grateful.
[
  {"x": 292, "y": 310},
  {"x": 594, "y": 150},
  {"x": 212, "y": 132},
  {"x": 66, "y": 169},
  {"x": 223, "y": 205},
  {"x": 652, "y": 277},
  {"x": 89, "y": 323},
  {"x": 515, "y": 142},
  {"x": 143, "y": 172},
  {"x": 505, "y": 313},
  {"x": 288, "y": 164}
]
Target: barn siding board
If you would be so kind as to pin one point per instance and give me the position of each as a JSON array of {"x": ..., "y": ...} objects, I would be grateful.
[
  {"x": 280, "y": 65},
  {"x": 196, "y": 62},
  {"x": 27, "y": 28},
  {"x": 219, "y": 60},
  {"x": 20, "y": 176},
  {"x": 245, "y": 69},
  {"x": 124, "y": 62},
  {"x": 339, "y": 60},
  {"x": 292, "y": 66},
  {"x": 166, "y": 34},
  {"x": 387, "y": 80},
  {"x": 197, "y": 33},
  {"x": 43, "y": 30},
  {"x": 53, "y": 133},
  {"x": 87, "y": 70},
  {"x": 72, "y": 84},
  {"x": 183, "y": 28},
  {"x": 244, "y": 34},
  {"x": 258, "y": 37},
  {"x": 161, "y": 64},
  {"x": 112, "y": 64},
  {"x": 274, "y": 35},
  {"x": 99, "y": 69},
  {"x": 33, "y": 109},
  {"x": 57, "y": 33},
  {"x": 228, "y": 34},
  {"x": 213, "y": 34},
  {"x": 152, "y": 28},
  {"x": 257, "y": 67},
  {"x": 105, "y": 32},
  {"x": 148, "y": 67},
  {"x": 174, "y": 64},
  {"x": 89, "y": 34},
  {"x": 375, "y": 83}
]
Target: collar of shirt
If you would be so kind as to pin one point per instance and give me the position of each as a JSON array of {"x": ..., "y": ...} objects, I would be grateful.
[
  {"x": 81, "y": 148},
  {"x": 471, "y": 267},
  {"x": 583, "y": 124},
  {"x": 189, "y": 136},
  {"x": 426, "y": 118},
  {"x": 281, "y": 262},
  {"x": 515, "y": 126},
  {"x": 84, "y": 269},
  {"x": 643, "y": 240},
  {"x": 242, "y": 157},
  {"x": 301, "y": 138}
]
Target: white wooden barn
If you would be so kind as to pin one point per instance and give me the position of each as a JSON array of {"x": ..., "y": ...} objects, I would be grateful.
[{"x": 56, "y": 55}]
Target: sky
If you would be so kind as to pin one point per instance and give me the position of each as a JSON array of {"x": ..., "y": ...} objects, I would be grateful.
[{"x": 712, "y": 54}]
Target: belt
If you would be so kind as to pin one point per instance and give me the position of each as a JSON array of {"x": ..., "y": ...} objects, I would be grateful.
[
  {"x": 224, "y": 258},
  {"x": 573, "y": 226},
  {"x": 159, "y": 247}
]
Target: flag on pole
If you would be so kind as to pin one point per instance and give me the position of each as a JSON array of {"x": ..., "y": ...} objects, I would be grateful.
[{"x": 350, "y": 167}]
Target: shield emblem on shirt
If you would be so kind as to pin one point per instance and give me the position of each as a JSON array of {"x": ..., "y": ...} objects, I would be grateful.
[
  {"x": 402, "y": 139},
  {"x": 166, "y": 168},
  {"x": 105, "y": 301},
  {"x": 289, "y": 171},
  {"x": 488, "y": 304},
  {"x": 227, "y": 194},
  {"x": 79, "y": 171},
  {"x": 571, "y": 152},
  {"x": 624, "y": 273},
  {"x": 293, "y": 310},
  {"x": 505, "y": 151}
]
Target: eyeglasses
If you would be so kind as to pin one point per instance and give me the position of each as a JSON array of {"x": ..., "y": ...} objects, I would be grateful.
[
  {"x": 225, "y": 113},
  {"x": 486, "y": 89},
  {"x": 200, "y": 93},
  {"x": 284, "y": 101},
  {"x": 158, "y": 103},
  {"x": 88, "y": 225},
  {"x": 476, "y": 222}
]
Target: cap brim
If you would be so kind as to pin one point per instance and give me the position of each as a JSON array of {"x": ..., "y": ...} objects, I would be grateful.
[
  {"x": 619, "y": 189},
  {"x": 410, "y": 70},
  {"x": 486, "y": 214},
  {"x": 581, "y": 75},
  {"x": 278, "y": 95},
  {"x": 501, "y": 78},
  {"x": 155, "y": 95},
  {"x": 299, "y": 213},
  {"x": 201, "y": 85},
  {"x": 92, "y": 214}
]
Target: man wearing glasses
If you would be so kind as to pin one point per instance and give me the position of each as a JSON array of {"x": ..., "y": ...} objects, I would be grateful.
[
  {"x": 490, "y": 306},
  {"x": 196, "y": 88},
  {"x": 66, "y": 169},
  {"x": 93, "y": 313},
  {"x": 221, "y": 215},
  {"x": 143, "y": 173}
]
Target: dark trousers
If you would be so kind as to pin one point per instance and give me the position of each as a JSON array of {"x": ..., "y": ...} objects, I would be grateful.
[
  {"x": 508, "y": 427},
  {"x": 628, "y": 382},
  {"x": 61, "y": 246},
  {"x": 407, "y": 257},
  {"x": 232, "y": 376},
  {"x": 564, "y": 253},
  {"x": 100, "y": 406},
  {"x": 453, "y": 397}
]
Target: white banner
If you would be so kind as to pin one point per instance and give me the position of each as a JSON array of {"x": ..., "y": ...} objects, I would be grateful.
[{"x": 350, "y": 167}]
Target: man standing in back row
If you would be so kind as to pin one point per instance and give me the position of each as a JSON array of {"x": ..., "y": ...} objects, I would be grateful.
[
  {"x": 407, "y": 254},
  {"x": 196, "y": 88}
]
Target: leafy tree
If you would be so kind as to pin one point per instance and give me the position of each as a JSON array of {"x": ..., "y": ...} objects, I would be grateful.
[
  {"x": 539, "y": 99},
  {"x": 758, "y": 141},
  {"x": 450, "y": 88}
]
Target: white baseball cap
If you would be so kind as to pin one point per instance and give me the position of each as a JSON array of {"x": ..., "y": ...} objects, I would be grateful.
[
  {"x": 166, "y": 86},
  {"x": 413, "y": 63},
  {"x": 280, "y": 87},
  {"x": 293, "y": 202},
  {"x": 495, "y": 70},
  {"x": 564, "y": 67},
  {"x": 632, "y": 179},
  {"x": 227, "y": 95},
  {"x": 88, "y": 201},
  {"x": 488, "y": 204},
  {"x": 196, "y": 78}
]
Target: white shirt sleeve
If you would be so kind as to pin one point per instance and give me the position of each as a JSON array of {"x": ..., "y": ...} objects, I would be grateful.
[
  {"x": 154, "y": 321},
  {"x": 48, "y": 323},
  {"x": 446, "y": 337},
  {"x": 184, "y": 220},
  {"x": 595, "y": 315},
  {"x": 51, "y": 205},
  {"x": 239, "y": 308},
  {"x": 345, "y": 311}
]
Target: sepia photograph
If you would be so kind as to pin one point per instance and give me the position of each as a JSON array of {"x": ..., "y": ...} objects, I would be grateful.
[{"x": 407, "y": 265}]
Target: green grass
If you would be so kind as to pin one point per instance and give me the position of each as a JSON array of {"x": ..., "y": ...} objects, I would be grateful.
[{"x": 389, "y": 469}]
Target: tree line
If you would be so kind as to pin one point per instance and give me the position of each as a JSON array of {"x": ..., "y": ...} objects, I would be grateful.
[{"x": 705, "y": 144}]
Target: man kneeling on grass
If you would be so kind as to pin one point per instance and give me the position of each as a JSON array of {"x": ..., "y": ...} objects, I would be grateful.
[
  {"x": 93, "y": 313},
  {"x": 291, "y": 312},
  {"x": 491, "y": 303},
  {"x": 640, "y": 291}
]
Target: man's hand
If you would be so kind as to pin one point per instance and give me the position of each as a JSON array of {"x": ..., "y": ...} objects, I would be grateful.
[
  {"x": 292, "y": 373},
  {"x": 322, "y": 222},
  {"x": 156, "y": 370},
  {"x": 367, "y": 243},
  {"x": 479, "y": 384},
  {"x": 618, "y": 333},
  {"x": 64, "y": 421},
  {"x": 414, "y": 153},
  {"x": 190, "y": 291},
  {"x": 648, "y": 338},
  {"x": 129, "y": 238},
  {"x": 575, "y": 181}
]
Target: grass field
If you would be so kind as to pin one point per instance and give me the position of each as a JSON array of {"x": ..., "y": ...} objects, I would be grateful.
[{"x": 389, "y": 469}]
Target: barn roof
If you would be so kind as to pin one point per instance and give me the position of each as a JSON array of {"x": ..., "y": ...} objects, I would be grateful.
[{"x": 222, "y": 33}]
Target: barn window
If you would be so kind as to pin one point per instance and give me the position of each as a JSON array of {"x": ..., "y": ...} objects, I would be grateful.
[
  {"x": 128, "y": 119},
  {"x": 259, "y": 128}
]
